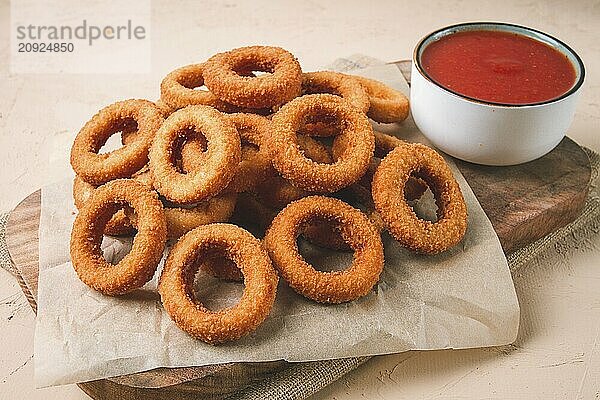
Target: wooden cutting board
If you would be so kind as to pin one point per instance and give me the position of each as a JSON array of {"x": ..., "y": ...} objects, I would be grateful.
[{"x": 524, "y": 203}]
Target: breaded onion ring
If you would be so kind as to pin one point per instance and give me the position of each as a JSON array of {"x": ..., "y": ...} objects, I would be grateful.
[
  {"x": 181, "y": 220},
  {"x": 221, "y": 158},
  {"x": 176, "y": 283},
  {"x": 327, "y": 234},
  {"x": 255, "y": 165},
  {"x": 357, "y": 231},
  {"x": 129, "y": 128},
  {"x": 281, "y": 83},
  {"x": 184, "y": 218},
  {"x": 277, "y": 192},
  {"x": 118, "y": 225},
  {"x": 384, "y": 143},
  {"x": 337, "y": 84},
  {"x": 121, "y": 163},
  {"x": 178, "y": 90},
  {"x": 387, "y": 105},
  {"x": 400, "y": 219},
  {"x": 137, "y": 267},
  {"x": 307, "y": 174},
  {"x": 164, "y": 108}
]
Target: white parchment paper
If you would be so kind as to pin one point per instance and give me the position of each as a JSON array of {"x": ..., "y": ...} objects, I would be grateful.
[{"x": 462, "y": 298}]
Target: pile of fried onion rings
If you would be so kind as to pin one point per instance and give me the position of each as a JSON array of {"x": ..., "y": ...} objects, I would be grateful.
[{"x": 248, "y": 142}]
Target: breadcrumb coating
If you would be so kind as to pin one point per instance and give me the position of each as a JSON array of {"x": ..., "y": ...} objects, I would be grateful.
[
  {"x": 387, "y": 105},
  {"x": 118, "y": 225},
  {"x": 384, "y": 143},
  {"x": 277, "y": 192},
  {"x": 181, "y": 220},
  {"x": 338, "y": 84},
  {"x": 255, "y": 166},
  {"x": 179, "y": 90}
]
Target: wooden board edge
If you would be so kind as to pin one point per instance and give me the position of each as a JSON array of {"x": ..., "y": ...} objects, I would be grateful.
[{"x": 12, "y": 226}]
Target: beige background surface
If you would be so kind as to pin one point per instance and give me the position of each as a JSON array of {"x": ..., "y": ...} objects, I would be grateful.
[{"x": 556, "y": 355}]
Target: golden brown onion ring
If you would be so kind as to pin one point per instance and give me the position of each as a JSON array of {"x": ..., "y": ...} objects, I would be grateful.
[
  {"x": 181, "y": 220},
  {"x": 184, "y": 218},
  {"x": 357, "y": 231},
  {"x": 307, "y": 174},
  {"x": 179, "y": 89},
  {"x": 277, "y": 192},
  {"x": 118, "y": 225},
  {"x": 139, "y": 265},
  {"x": 387, "y": 105},
  {"x": 221, "y": 158},
  {"x": 400, "y": 219},
  {"x": 384, "y": 143},
  {"x": 121, "y": 163},
  {"x": 281, "y": 83},
  {"x": 177, "y": 279},
  {"x": 255, "y": 165},
  {"x": 337, "y": 84}
]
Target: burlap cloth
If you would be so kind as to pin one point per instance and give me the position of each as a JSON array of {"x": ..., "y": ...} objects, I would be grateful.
[{"x": 301, "y": 380}]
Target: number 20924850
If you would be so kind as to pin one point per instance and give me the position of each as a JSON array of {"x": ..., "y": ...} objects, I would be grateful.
[{"x": 28, "y": 47}]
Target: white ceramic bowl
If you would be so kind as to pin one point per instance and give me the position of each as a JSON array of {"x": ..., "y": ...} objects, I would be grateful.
[{"x": 491, "y": 133}]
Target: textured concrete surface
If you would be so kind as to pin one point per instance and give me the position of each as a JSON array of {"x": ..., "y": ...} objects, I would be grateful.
[{"x": 556, "y": 355}]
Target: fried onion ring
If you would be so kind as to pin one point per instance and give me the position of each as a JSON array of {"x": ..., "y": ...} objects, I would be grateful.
[
  {"x": 176, "y": 283},
  {"x": 307, "y": 174},
  {"x": 221, "y": 158},
  {"x": 255, "y": 166},
  {"x": 337, "y": 84},
  {"x": 118, "y": 225},
  {"x": 178, "y": 90},
  {"x": 137, "y": 267},
  {"x": 384, "y": 143},
  {"x": 399, "y": 217},
  {"x": 181, "y": 220},
  {"x": 121, "y": 163},
  {"x": 277, "y": 192},
  {"x": 327, "y": 234},
  {"x": 184, "y": 218},
  {"x": 326, "y": 287},
  {"x": 387, "y": 105},
  {"x": 281, "y": 83}
]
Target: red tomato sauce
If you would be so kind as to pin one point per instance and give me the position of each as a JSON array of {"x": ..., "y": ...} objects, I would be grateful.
[{"x": 498, "y": 67}]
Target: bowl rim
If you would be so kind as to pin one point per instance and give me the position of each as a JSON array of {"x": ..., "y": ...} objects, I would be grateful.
[{"x": 575, "y": 88}]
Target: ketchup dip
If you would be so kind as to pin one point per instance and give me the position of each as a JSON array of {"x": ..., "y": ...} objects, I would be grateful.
[
  {"x": 494, "y": 93},
  {"x": 498, "y": 67}
]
